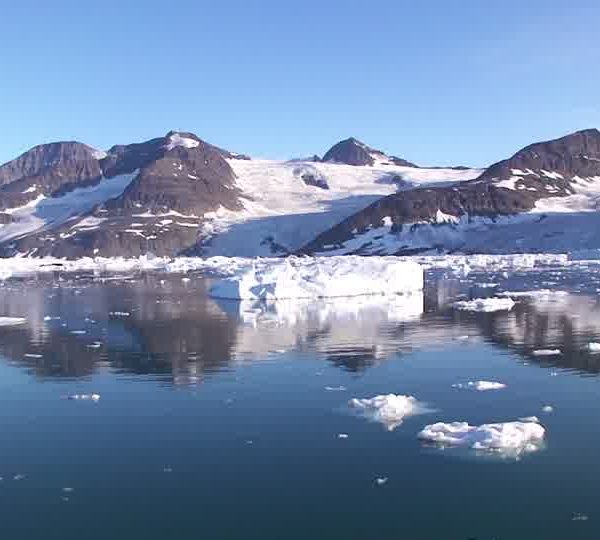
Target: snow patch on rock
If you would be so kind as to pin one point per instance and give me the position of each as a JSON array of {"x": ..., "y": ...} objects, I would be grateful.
[{"x": 176, "y": 140}]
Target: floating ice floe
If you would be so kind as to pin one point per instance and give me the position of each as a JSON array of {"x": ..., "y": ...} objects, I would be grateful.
[
  {"x": 306, "y": 277},
  {"x": 547, "y": 352},
  {"x": 84, "y": 397},
  {"x": 507, "y": 438},
  {"x": 548, "y": 408},
  {"x": 336, "y": 388},
  {"x": 380, "y": 481},
  {"x": 389, "y": 410},
  {"x": 485, "y": 305},
  {"x": 481, "y": 386},
  {"x": 342, "y": 435},
  {"x": 12, "y": 321}
]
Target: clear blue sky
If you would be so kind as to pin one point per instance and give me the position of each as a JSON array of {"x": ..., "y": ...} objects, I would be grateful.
[{"x": 438, "y": 82}]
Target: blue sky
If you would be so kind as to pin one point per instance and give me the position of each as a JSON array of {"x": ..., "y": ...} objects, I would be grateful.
[{"x": 435, "y": 82}]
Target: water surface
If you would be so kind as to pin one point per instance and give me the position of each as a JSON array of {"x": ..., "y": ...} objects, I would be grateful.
[{"x": 222, "y": 420}]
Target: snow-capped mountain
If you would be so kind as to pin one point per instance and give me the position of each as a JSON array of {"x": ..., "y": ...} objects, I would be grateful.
[
  {"x": 68, "y": 199},
  {"x": 543, "y": 198},
  {"x": 178, "y": 194}
]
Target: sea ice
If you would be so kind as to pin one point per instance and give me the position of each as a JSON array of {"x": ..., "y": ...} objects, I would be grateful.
[
  {"x": 508, "y": 438},
  {"x": 306, "y": 277},
  {"x": 485, "y": 304},
  {"x": 389, "y": 410}
]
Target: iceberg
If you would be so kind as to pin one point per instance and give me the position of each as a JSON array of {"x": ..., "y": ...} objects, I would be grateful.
[
  {"x": 321, "y": 277},
  {"x": 507, "y": 438}
]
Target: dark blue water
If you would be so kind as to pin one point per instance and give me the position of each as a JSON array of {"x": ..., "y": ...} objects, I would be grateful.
[{"x": 214, "y": 420}]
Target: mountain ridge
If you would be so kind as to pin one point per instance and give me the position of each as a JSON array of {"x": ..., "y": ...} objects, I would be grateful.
[{"x": 179, "y": 194}]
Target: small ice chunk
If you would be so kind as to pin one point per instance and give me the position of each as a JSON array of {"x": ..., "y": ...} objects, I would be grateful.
[
  {"x": 78, "y": 332},
  {"x": 481, "y": 386},
  {"x": 342, "y": 435},
  {"x": 579, "y": 517},
  {"x": 18, "y": 477},
  {"x": 389, "y": 410},
  {"x": 593, "y": 347},
  {"x": 381, "y": 480},
  {"x": 33, "y": 355},
  {"x": 94, "y": 345},
  {"x": 84, "y": 397},
  {"x": 548, "y": 409},
  {"x": 547, "y": 352},
  {"x": 485, "y": 305},
  {"x": 336, "y": 388},
  {"x": 508, "y": 438},
  {"x": 68, "y": 490},
  {"x": 119, "y": 314},
  {"x": 12, "y": 321}
]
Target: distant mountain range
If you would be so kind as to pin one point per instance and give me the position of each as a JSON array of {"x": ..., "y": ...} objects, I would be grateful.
[{"x": 178, "y": 194}]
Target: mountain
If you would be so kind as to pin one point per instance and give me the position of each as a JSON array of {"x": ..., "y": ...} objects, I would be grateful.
[
  {"x": 178, "y": 194},
  {"x": 543, "y": 198},
  {"x": 67, "y": 199},
  {"x": 353, "y": 152}
]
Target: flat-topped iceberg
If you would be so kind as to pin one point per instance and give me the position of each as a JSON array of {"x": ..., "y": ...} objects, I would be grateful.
[
  {"x": 321, "y": 277},
  {"x": 507, "y": 438}
]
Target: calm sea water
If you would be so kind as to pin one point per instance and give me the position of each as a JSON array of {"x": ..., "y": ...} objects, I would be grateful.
[{"x": 221, "y": 420}]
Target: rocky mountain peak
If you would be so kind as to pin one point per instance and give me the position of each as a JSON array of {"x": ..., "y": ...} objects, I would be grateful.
[{"x": 351, "y": 151}]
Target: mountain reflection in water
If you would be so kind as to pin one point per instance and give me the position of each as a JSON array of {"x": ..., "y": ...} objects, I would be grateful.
[{"x": 168, "y": 327}]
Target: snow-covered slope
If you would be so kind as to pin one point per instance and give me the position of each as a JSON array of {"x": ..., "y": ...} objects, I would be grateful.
[
  {"x": 283, "y": 209},
  {"x": 544, "y": 198},
  {"x": 45, "y": 213}
]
